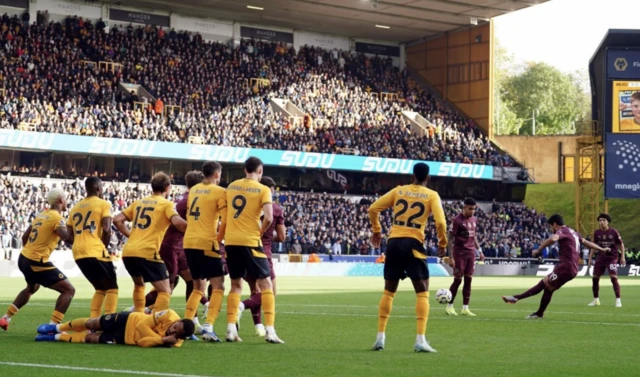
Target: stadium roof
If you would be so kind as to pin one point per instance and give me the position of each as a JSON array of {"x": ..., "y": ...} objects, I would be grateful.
[{"x": 408, "y": 20}]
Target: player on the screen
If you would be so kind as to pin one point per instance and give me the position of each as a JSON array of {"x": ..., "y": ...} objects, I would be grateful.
[
  {"x": 632, "y": 124},
  {"x": 567, "y": 268},
  {"x": 607, "y": 237},
  {"x": 412, "y": 204},
  {"x": 462, "y": 256}
]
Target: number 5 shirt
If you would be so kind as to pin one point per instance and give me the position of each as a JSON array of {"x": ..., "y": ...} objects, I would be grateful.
[
  {"x": 412, "y": 205},
  {"x": 150, "y": 218}
]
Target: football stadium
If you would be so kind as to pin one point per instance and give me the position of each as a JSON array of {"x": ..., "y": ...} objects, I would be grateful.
[{"x": 272, "y": 187}]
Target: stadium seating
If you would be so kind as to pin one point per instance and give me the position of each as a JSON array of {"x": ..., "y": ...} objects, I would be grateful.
[
  {"x": 314, "y": 221},
  {"x": 64, "y": 79}
]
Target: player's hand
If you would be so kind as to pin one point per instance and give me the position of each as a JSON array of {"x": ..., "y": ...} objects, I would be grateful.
[
  {"x": 169, "y": 340},
  {"x": 442, "y": 252},
  {"x": 452, "y": 263},
  {"x": 607, "y": 249},
  {"x": 535, "y": 253},
  {"x": 623, "y": 262},
  {"x": 376, "y": 240},
  {"x": 481, "y": 257},
  {"x": 589, "y": 263}
]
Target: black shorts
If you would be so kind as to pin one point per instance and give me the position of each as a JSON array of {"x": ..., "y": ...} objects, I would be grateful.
[
  {"x": 44, "y": 274},
  {"x": 247, "y": 262},
  {"x": 150, "y": 271},
  {"x": 405, "y": 257},
  {"x": 101, "y": 274},
  {"x": 203, "y": 267},
  {"x": 113, "y": 327}
]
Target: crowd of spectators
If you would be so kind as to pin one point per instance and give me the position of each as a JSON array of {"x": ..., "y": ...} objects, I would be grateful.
[{"x": 49, "y": 86}]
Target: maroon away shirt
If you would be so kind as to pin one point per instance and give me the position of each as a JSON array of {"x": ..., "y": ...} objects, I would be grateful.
[
  {"x": 569, "y": 244},
  {"x": 608, "y": 238},
  {"x": 173, "y": 237},
  {"x": 464, "y": 234}
]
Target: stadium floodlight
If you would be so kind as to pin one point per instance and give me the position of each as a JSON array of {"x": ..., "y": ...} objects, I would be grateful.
[
  {"x": 383, "y": 27},
  {"x": 473, "y": 21},
  {"x": 254, "y": 7}
]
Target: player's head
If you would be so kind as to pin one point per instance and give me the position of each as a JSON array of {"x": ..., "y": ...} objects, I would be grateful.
[
  {"x": 161, "y": 184},
  {"x": 604, "y": 220},
  {"x": 635, "y": 105},
  {"x": 421, "y": 173},
  {"x": 193, "y": 177},
  {"x": 57, "y": 199},
  {"x": 269, "y": 182},
  {"x": 181, "y": 329},
  {"x": 93, "y": 185},
  {"x": 254, "y": 166},
  {"x": 469, "y": 208},
  {"x": 556, "y": 221},
  {"x": 212, "y": 171}
]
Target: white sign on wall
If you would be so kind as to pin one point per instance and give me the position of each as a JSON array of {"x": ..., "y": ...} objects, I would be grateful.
[
  {"x": 70, "y": 9},
  {"x": 327, "y": 42},
  {"x": 202, "y": 26}
]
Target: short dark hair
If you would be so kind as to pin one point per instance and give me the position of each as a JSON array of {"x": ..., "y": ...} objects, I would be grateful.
[
  {"x": 210, "y": 167},
  {"x": 469, "y": 202},
  {"x": 90, "y": 184},
  {"x": 188, "y": 328},
  {"x": 268, "y": 181},
  {"x": 421, "y": 171},
  {"x": 252, "y": 164},
  {"x": 556, "y": 220},
  {"x": 605, "y": 216},
  {"x": 159, "y": 182},
  {"x": 193, "y": 177}
]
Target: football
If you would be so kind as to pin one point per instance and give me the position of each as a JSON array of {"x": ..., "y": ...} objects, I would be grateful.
[{"x": 443, "y": 296}]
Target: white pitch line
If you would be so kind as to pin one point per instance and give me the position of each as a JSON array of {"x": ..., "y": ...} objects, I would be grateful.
[{"x": 98, "y": 370}]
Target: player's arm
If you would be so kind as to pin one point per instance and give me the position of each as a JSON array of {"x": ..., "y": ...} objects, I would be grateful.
[
  {"x": 71, "y": 236},
  {"x": 591, "y": 254},
  {"x": 384, "y": 202},
  {"x": 281, "y": 230},
  {"x": 62, "y": 231},
  {"x": 119, "y": 222},
  {"x": 175, "y": 218},
  {"x": 623, "y": 259},
  {"x": 222, "y": 211},
  {"x": 546, "y": 243},
  {"x": 479, "y": 249},
  {"x": 592, "y": 245},
  {"x": 106, "y": 224},
  {"x": 25, "y": 235},
  {"x": 267, "y": 210},
  {"x": 441, "y": 221},
  {"x": 148, "y": 337}
]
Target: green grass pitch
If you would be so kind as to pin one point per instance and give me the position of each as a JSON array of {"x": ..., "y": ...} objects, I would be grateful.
[{"x": 329, "y": 325}]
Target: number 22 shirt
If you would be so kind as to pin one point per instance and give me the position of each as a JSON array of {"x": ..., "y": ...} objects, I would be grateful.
[
  {"x": 150, "y": 218},
  {"x": 412, "y": 205}
]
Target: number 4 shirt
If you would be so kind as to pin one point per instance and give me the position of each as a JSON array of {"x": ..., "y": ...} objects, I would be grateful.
[
  {"x": 85, "y": 221},
  {"x": 412, "y": 205},
  {"x": 150, "y": 218},
  {"x": 207, "y": 203}
]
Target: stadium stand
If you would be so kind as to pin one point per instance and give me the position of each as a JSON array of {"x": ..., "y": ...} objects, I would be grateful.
[{"x": 65, "y": 79}]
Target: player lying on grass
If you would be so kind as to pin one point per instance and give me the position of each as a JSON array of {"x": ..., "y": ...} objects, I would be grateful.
[
  {"x": 164, "y": 328},
  {"x": 567, "y": 268}
]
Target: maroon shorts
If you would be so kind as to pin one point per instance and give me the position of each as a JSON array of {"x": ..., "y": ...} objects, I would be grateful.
[
  {"x": 174, "y": 258},
  {"x": 561, "y": 275},
  {"x": 603, "y": 263},
  {"x": 272, "y": 272},
  {"x": 465, "y": 264}
]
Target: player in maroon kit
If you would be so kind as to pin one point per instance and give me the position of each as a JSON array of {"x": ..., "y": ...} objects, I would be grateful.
[
  {"x": 462, "y": 255},
  {"x": 567, "y": 268},
  {"x": 171, "y": 250},
  {"x": 607, "y": 237},
  {"x": 276, "y": 232}
]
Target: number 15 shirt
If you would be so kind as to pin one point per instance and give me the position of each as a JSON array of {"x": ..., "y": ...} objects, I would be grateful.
[
  {"x": 412, "y": 205},
  {"x": 150, "y": 218}
]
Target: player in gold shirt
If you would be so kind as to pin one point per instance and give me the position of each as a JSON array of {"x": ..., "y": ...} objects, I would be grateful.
[
  {"x": 89, "y": 228},
  {"x": 247, "y": 199},
  {"x": 207, "y": 203},
  {"x": 412, "y": 204},
  {"x": 150, "y": 217},
  {"x": 39, "y": 240},
  {"x": 164, "y": 328}
]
